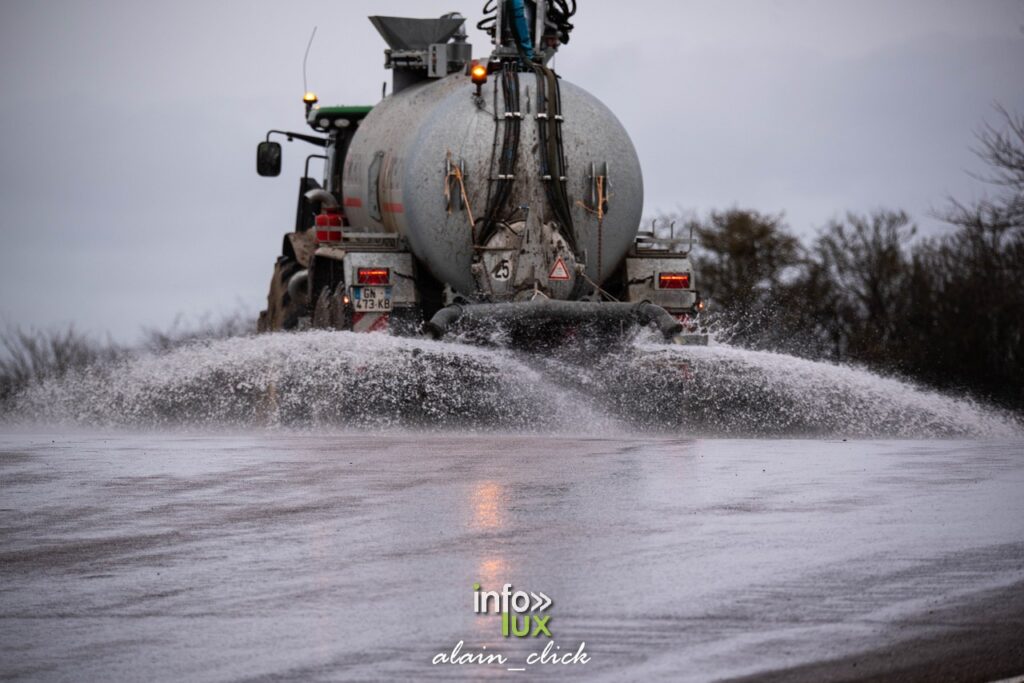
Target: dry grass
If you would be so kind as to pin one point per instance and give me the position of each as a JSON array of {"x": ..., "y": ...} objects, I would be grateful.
[{"x": 32, "y": 356}]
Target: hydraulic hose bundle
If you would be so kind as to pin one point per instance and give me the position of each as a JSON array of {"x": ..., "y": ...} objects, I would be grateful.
[
  {"x": 549, "y": 113},
  {"x": 553, "y": 170},
  {"x": 497, "y": 201},
  {"x": 559, "y": 13}
]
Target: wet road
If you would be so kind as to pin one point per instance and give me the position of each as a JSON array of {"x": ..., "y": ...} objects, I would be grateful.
[{"x": 275, "y": 555}]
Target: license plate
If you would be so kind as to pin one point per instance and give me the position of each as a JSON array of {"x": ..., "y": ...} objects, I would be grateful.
[{"x": 375, "y": 299}]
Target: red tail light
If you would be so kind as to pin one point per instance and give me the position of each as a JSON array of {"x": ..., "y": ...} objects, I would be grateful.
[
  {"x": 373, "y": 276},
  {"x": 328, "y": 235},
  {"x": 673, "y": 280},
  {"x": 328, "y": 220}
]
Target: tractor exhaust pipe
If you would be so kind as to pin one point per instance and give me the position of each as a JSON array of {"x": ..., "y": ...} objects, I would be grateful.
[{"x": 325, "y": 198}]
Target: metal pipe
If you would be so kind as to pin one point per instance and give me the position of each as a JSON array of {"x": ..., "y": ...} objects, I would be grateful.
[
  {"x": 437, "y": 326},
  {"x": 325, "y": 198},
  {"x": 539, "y": 22},
  {"x": 642, "y": 313},
  {"x": 460, "y": 33},
  {"x": 499, "y": 11},
  {"x": 305, "y": 173},
  {"x": 311, "y": 139},
  {"x": 650, "y": 313}
]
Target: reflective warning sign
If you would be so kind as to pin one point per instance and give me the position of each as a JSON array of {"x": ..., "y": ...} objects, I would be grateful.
[{"x": 559, "y": 271}]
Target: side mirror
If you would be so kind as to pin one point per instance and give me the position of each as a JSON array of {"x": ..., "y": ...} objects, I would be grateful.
[{"x": 268, "y": 159}]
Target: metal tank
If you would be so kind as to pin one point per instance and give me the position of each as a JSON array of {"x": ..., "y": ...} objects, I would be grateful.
[
  {"x": 398, "y": 173},
  {"x": 485, "y": 196}
]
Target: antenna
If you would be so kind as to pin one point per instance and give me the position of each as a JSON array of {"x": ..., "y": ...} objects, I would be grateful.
[{"x": 305, "y": 85}]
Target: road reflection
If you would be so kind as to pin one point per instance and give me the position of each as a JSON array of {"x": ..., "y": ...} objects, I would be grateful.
[{"x": 489, "y": 505}]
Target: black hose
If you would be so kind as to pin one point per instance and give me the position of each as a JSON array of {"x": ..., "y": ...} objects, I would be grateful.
[
  {"x": 549, "y": 130},
  {"x": 497, "y": 203},
  {"x": 489, "y": 22},
  {"x": 559, "y": 13}
]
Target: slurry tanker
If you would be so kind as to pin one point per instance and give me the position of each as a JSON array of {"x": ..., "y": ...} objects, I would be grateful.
[{"x": 481, "y": 198}]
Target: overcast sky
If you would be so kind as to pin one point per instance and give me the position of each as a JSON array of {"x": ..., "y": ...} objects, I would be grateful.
[{"x": 128, "y": 193}]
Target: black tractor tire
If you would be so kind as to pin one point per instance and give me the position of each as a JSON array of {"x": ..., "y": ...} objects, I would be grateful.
[
  {"x": 330, "y": 312},
  {"x": 322, "y": 308},
  {"x": 281, "y": 312}
]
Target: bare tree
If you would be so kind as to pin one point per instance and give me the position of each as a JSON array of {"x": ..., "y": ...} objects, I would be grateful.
[
  {"x": 866, "y": 262},
  {"x": 995, "y": 218}
]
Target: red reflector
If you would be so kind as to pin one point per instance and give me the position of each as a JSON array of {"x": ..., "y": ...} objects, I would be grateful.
[
  {"x": 325, "y": 220},
  {"x": 328, "y": 235},
  {"x": 673, "y": 280},
  {"x": 373, "y": 276}
]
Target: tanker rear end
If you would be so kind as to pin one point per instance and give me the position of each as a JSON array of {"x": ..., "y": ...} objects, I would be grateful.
[{"x": 479, "y": 195}]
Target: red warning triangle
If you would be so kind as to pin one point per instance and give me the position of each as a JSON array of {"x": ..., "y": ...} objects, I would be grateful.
[{"x": 559, "y": 271}]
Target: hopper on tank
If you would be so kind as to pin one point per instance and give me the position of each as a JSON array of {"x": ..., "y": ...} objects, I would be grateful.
[{"x": 405, "y": 33}]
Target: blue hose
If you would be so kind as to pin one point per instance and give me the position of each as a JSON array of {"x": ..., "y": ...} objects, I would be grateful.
[{"x": 522, "y": 27}]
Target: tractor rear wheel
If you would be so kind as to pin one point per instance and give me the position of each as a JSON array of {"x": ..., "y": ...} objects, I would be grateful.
[
  {"x": 329, "y": 310},
  {"x": 281, "y": 313},
  {"x": 322, "y": 318}
]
